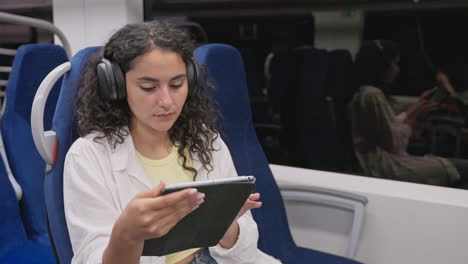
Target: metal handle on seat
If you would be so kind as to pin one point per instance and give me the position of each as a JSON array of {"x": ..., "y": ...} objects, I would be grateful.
[
  {"x": 45, "y": 141},
  {"x": 38, "y": 23}
]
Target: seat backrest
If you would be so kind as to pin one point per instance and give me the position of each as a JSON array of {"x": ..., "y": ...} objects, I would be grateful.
[
  {"x": 30, "y": 66},
  {"x": 63, "y": 125},
  {"x": 340, "y": 74},
  {"x": 12, "y": 232},
  {"x": 279, "y": 68},
  {"x": 340, "y": 87},
  {"x": 307, "y": 116},
  {"x": 226, "y": 69}
]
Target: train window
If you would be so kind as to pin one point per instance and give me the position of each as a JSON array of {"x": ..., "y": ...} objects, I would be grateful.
[
  {"x": 432, "y": 55},
  {"x": 303, "y": 76}
]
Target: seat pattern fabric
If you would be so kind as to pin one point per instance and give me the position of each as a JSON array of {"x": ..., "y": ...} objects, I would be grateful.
[
  {"x": 225, "y": 67},
  {"x": 31, "y": 65}
]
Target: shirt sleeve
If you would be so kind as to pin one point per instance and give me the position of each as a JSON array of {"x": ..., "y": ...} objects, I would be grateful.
[
  {"x": 401, "y": 133},
  {"x": 245, "y": 250},
  {"x": 389, "y": 131},
  {"x": 89, "y": 208}
]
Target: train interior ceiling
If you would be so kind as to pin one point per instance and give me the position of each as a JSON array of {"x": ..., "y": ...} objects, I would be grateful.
[{"x": 299, "y": 68}]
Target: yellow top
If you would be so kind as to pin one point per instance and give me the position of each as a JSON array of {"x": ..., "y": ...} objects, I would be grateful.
[{"x": 170, "y": 171}]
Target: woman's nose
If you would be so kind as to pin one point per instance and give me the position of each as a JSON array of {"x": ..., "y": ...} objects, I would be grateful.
[{"x": 163, "y": 98}]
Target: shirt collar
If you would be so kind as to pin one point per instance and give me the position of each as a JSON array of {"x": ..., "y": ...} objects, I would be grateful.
[{"x": 125, "y": 160}]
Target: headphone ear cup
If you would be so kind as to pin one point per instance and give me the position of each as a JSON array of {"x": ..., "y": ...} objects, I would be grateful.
[
  {"x": 120, "y": 84},
  {"x": 193, "y": 77},
  {"x": 106, "y": 79},
  {"x": 111, "y": 80}
]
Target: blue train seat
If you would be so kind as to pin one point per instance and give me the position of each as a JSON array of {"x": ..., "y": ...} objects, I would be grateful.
[
  {"x": 340, "y": 89},
  {"x": 30, "y": 66},
  {"x": 63, "y": 125}
]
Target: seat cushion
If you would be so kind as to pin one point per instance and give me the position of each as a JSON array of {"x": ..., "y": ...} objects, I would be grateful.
[
  {"x": 304, "y": 256},
  {"x": 29, "y": 253}
]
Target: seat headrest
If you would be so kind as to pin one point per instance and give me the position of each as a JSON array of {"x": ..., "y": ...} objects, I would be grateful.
[
  {"x": 226, "y": 67},
  {"x": 31, "y": 65}
]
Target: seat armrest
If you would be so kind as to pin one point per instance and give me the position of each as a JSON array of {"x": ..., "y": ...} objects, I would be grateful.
[{"x": 333, "y": 199}]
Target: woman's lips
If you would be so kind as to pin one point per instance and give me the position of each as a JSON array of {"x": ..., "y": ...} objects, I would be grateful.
[{"x": 164, "y": 115}]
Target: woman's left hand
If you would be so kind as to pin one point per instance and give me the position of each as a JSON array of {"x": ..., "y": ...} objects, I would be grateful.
[
  {"x": 231, "y": 235},
  {"x": 251, "y": 203},
  {"x": 426, "y": 95}
]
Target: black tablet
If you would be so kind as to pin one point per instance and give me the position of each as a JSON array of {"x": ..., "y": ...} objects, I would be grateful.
[
  {"x": 206, "y": 225},
  {"x": 170, "y": 188}
]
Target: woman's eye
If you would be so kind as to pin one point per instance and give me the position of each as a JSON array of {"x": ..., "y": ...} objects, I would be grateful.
[
  {"x": 147, "y": 89},
  {"x": 176, "y": 85}
]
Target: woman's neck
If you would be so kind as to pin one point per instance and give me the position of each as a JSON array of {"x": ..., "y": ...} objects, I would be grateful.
[{"x": 150, "y": 143}]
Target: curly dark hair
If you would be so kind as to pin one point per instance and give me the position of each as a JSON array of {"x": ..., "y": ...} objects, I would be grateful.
[
  {"x": 373, "y": 62},
  {"x": 194, "y": 130}
]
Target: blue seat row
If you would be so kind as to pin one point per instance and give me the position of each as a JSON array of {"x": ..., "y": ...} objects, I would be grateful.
[
  {"x": 27, "y": 216},
  {"x": 310, "y": 88}
]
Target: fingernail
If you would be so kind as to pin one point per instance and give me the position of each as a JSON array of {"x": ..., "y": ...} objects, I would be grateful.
[
  {"x": 200, "y": 196},
  {"x": 193, "y": 191},
  {"x": 200, "y": 201},
  {"x": 195, "y": 208}
]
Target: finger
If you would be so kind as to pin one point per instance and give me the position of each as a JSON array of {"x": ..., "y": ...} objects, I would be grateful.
[
  {"x": 186, "y": 206},
  {"x": 161, "y": 225},
  {"x": 254, "y": 196},
  {"x": 167, "y": 218},
  {"x": 171, "y": 215},
  {"x": 248, "y": 206},
  {"x": 183, "y": 209},
  {"x": 252, "y": 204},
  {"x": 189, "y": 196}
]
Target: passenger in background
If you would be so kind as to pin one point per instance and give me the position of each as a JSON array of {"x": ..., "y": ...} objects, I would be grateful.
[
  {"x": 381, "y": 136},
  {"x": 145, "y": 118}
]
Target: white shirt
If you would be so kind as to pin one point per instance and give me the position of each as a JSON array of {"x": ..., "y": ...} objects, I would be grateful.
[{"x": 99, "y": 181}]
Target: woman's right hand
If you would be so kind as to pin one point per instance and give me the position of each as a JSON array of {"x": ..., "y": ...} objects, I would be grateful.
[
  {"x": 426, "y": 95},
  {"x": 421, "y": 108},
  {"x": 443, "y": 79},
  {"x": 150, "y": 215}
]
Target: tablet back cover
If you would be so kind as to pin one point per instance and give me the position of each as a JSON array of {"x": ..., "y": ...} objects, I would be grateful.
[{"x": 205, "y": 226}]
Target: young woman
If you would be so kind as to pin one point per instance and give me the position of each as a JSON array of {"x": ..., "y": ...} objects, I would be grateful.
[
  {"x": 380, "y": 135},
  {"x": 145, "y": 120}
]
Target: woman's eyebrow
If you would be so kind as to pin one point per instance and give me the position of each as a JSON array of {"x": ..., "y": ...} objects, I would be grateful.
[
  {"x": 177, "y": 77},
  {"x": 151, "y": 79},
  {"x": 148, "y": 79}
]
